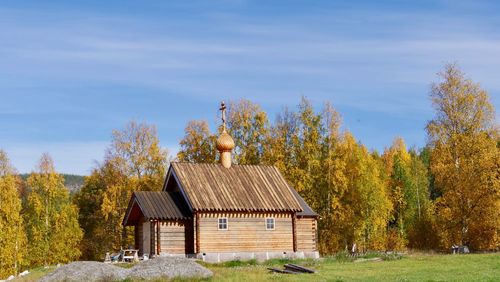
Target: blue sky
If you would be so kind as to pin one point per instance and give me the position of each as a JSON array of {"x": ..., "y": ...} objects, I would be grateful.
[{"x": 72, "y": 71}]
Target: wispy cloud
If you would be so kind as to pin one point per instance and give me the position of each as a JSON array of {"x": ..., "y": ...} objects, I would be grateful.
[{"x": 98, "y": 66}]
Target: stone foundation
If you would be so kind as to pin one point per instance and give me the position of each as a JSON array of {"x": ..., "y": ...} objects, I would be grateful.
[
  {"x": 259, "y": 256},
  {"x": 173, "y": 255}
]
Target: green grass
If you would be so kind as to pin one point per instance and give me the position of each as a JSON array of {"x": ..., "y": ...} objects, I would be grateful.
[
  {"x": 415, "y": 267},
  {"x": 35, "y": 274},
  {"x": 418, "y": 267}
]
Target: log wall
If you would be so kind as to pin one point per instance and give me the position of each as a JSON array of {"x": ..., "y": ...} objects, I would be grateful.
[
  {"x": 245, "y": 233},
  {"x": 306, "y": 234},
  {"x": 173, "y": 237}
]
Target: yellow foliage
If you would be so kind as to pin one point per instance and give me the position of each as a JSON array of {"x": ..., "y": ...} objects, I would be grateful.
[
  {"x": 133, "y": 162},
  {"x": 52, "y": 220},
  {"x": 12, "y": 235},
  {"x": 465, "y": 161}
]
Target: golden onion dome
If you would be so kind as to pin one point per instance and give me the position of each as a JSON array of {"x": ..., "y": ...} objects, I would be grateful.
[{"x": 225, "y": 143}]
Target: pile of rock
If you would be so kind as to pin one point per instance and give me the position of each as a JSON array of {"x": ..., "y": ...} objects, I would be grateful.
[{"x": 163, "y": 267}]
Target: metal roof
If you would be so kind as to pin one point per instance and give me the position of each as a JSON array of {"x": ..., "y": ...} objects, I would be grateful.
[{"x": 306, "y": 209}]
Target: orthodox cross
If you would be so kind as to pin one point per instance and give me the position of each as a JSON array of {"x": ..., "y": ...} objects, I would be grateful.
[{"x": 223, "y": 114}]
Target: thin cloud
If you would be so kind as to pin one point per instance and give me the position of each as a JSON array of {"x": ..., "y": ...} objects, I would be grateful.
[{"x": 374, "y": 59}]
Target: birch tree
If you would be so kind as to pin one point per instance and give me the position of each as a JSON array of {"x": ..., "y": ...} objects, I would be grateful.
[
  {"x": 198, "y": 144},
  {"x": 465, "y": 161},
  {"x": 248, "y": 126},
  {"x": 134, "y": 161},
  {"x": 52, "y": 220},
  {"x": 12, "y": 235}
]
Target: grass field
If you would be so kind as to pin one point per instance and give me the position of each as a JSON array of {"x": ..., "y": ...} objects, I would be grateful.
[
  {"x": 475, "y": 267},
  {"x": 417, "y": 267}
]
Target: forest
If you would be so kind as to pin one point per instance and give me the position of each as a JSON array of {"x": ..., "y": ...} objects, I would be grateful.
[{"x": 446, "y": 193}]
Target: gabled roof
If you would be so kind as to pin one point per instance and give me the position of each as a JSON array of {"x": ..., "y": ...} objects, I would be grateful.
[
  {"x": 212, "y": 187},
  {"x": 306, "y": 209},
  {"x": 154, "y": 205}
]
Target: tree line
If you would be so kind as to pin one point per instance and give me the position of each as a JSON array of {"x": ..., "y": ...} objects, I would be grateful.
[
  {"x": 430, "y": 198},
  {"x": 420, "y": 198}
]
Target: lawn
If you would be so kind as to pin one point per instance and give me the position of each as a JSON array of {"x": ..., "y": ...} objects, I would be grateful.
[
  {"x": 474, "y": 267},
  {"x": 417, "y": 267}
]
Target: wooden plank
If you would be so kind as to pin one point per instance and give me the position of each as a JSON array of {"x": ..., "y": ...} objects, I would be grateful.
[
  {"x": 294, "y": 228},
  {"x": 172, "y": 237},
  {"x": 197, "y": 232},
  {"x": 306, "y": 234},
  {"x": 246, "y": 232},
  {"x": 240, "y": 188},
  {"x": 295, "y": 267},
  {"x": 152, "y": 237},
  {"x": 158, "y": 237}
]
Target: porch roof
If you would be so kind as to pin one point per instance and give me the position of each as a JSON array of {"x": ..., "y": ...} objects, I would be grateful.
[{"x": 155, "y": 205}]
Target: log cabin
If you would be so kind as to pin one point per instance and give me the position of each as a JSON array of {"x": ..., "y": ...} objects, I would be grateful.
[{"x": 223, "y": 211}]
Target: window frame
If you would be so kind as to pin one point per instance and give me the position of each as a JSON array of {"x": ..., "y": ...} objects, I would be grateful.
[
  {"x": 219, "y": 223},
  {"x": 273, "y": 223}
]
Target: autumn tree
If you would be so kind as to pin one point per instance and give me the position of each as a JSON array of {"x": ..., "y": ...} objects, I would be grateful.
[
  {"x": 362, "y": 206},
  {"x": 338, "y": 177},
  {"x": 52, "y": 220},
  {"x": 248, "y": 126},
  {"x": 332, "y": 184},
  {"x": 308, "y": 149},
  {"x": 198, "y": 144},
  {"x": 134, "y": 161},
  {"x": 12, "y": 237},
  {"x": 408, "y": 184},
  {"x": 297, "y": 149},
  {"x": 136, "y": 152},
  {"x": 280, "y": 142},
  {"x": 465, "y": 162}
]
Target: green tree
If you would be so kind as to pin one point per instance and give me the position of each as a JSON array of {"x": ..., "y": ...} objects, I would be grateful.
[
  {"x": 52, "y": 220},
  {"x": 465, "y": 162},
  {"x": 408, "y": 184},
  {"x": 12, "y": 237}
]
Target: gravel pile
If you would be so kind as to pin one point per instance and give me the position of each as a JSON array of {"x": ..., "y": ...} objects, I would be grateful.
[
  {"x": 163, "y": 267},
  {"x": 169, "y": 267},
  {"x": 86, "y": 271}
]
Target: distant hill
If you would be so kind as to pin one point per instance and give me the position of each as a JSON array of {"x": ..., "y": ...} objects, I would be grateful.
[{"x": 71, "y": 181}]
